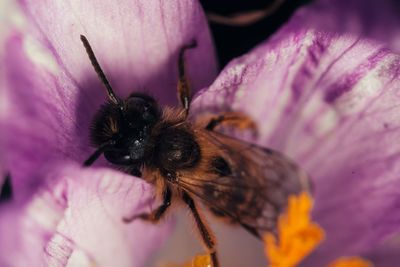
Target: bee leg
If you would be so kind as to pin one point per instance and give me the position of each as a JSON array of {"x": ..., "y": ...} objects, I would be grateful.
[
  {"x": 156, "y": 214},
  {"x": 205, "y": 232},
  {"x": 251, "y": 230},
  {"x": 98, "y": 153},
  {"x": 184, "y": 92},
  {"x": 232, "y": 119}
]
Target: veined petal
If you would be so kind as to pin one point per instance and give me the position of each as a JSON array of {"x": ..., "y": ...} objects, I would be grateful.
[
  {"x": 136, "y": 42},
  {"x": 377, "y": 20},
  {"x": 47, "y": 121},
  {"x": 387, "y": 254},
  {"x": 76, "y": 219},
  {"x": 330, "y": 102},
  {"x": 40, "y": 124},
  {"x": 20, "y": 235},
  {"x": 136, "y": 50}
]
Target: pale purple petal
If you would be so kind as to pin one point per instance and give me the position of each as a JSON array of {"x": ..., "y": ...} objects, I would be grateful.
[
  {"x": 76, "y": 218},
  {"x": 331, "y": 102},
  {"x": 3, "y": 114},
  {"x": 49, "y": 110},
  {"x": 378, "y": 20},
  {"x": 40, "y": 125},
  {"x": 19, "y": 236},
  {"x": 387, "y": 254},
  {"x": 136, "y": 42},
  {"x": 26, "y": 227},
  {"x": 92, "y": 224}
]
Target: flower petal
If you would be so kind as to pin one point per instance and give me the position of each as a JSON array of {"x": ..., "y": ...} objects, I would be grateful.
[
  {"x": 49, "y": 112},
  {"x": 62, "y": 102},
  {"x": 136, "y": 42},
  {"x": 40, "y": 124},
  {"x": 331, "y": 103},
  {"x": 77, "y": 219},
  {"x": 378, "y": 20},
  {"x": 20, "y": 236},
  {"x": 386, "y": 255}
]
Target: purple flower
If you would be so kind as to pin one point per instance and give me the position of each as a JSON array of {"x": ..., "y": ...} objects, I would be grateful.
[
  {"x": 62, "y": 213},
  {"x": 324, "y": 90}
]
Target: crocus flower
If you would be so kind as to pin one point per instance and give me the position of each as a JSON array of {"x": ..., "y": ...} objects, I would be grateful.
[
  {"x": 324, "y": 90},
  {"x": 61, "y": 213}
]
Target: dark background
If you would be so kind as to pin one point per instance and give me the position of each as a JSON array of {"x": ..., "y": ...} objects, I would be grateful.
[{"x": 233, "y": 41}]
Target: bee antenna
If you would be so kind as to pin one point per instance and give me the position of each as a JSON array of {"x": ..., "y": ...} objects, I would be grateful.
[{"x": 99, "y": 71}]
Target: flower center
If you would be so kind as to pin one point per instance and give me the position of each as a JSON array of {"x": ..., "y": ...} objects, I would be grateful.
[
  {"x": 199, "y": 261},
  {"x": 298, "y": 236},
  {"x": 350, "y": 262}
]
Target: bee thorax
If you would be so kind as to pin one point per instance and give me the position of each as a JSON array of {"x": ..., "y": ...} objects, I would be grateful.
[{"x": 176, "y": 149}]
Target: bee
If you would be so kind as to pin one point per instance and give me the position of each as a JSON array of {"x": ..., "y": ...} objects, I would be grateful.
[{"x": 191, "y": 161}]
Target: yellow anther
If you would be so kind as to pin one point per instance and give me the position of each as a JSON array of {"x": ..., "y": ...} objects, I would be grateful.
[
  {"x": 298, "y": 236},
  {"x": 198, "y": 261},
  {"x": 350, "y": 262}
]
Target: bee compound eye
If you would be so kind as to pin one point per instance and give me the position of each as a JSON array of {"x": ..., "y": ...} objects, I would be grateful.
[{"x": 118, "y": 157}]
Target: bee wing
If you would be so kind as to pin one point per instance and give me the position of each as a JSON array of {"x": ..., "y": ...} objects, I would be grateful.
[{"x": 243, "y": 182}]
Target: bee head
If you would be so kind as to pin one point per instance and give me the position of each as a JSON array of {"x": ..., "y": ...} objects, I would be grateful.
[
  {"x": 121, "y": 128},
  {"x": 125, "y": 128}
]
